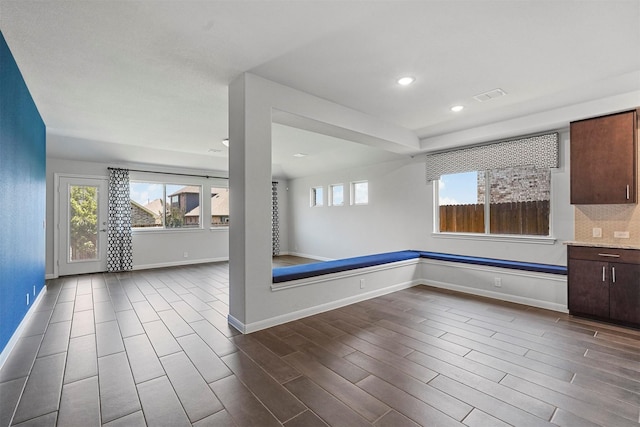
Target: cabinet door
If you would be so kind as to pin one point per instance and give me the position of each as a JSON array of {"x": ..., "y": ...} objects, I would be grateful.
[
  {"x": 588, "y": 292},
  {"x": 603, "y": 160},
  {"x": 624, "y": 293}
]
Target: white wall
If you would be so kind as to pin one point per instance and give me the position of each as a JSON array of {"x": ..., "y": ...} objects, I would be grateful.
[
  {"x": 252, "y": 101},
  {"x": 150, "y": 248},
  {"x": 400, "y": 216},
  {"x": 395, "y": 218}
]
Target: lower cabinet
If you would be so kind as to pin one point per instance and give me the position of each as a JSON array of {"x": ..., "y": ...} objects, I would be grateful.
[
  {"x": 605, "y": 283},
  {"x": 624, "y": 294}
]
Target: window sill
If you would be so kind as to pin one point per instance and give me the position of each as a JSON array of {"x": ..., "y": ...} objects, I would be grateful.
[
  {"x": 539, "y": 240},
  {"x": 226, "y": 228},
  {"x": 165, "y": 230}
]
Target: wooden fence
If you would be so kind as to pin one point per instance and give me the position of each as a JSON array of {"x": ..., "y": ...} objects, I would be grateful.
[{"x": 527, "y": 218}]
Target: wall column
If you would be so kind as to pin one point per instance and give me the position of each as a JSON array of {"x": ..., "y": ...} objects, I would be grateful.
[{"x": 250, "y": 199}]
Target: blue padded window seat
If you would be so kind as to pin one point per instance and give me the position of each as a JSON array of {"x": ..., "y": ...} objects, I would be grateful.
[
  {"x": 304, "y": 271},
  {"x": 493, "y": 262}
]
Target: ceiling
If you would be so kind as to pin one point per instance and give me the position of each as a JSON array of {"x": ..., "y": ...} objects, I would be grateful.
[{"x": 146, "y": 81}]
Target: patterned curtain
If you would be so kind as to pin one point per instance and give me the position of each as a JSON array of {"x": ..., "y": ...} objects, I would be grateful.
[
  {"x": 540, "y": 151},
  {"x": 275, "y": 220},
  {"x": 119, "y": 248}
]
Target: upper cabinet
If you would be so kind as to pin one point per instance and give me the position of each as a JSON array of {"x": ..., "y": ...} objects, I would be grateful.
[{"x": 603, "y": 159}]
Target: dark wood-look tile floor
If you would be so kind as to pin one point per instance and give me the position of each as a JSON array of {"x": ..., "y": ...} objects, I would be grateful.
[{"x": 154, "y": 348}]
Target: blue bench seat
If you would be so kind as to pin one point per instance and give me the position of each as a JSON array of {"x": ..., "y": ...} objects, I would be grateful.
[
  {"x": 494, "y": 262},
  {"x": 304, "y": 271}
]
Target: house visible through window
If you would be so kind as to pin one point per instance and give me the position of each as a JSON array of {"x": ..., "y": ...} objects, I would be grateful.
[
  {"x": 219, "y": 207},
  {"x": 360, "y": 192},
  {"x": 500, "y": 201},
  {"x": 160, "y": 205}
]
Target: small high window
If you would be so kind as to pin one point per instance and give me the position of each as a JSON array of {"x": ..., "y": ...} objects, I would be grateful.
[
  {"x": 336, "y": 195},
  {"x": 317, "y": 196},
  {"x": 360, "y": 192}
]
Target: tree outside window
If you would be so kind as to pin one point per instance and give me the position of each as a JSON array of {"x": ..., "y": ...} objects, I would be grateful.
[{"x": 83, "y": 238}]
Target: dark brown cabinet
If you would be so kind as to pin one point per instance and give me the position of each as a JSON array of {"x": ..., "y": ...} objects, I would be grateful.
[
  {"x": 603, "y": 159},
  {"x": 588, "y": 294},
  {"x": 624, "y": 293},
  {"x": 605, "y": 283}
]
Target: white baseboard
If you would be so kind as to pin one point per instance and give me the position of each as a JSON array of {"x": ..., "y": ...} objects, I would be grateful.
[
  {"x": 238, "y": 325},
  {"x": 498, "y": 296},
  {"x": 18, "y": 332},
  {"x": 288, "y": 317},
  {"x": 50, "y": 276},
  {"x": 317, "y": 258},
  {"x": 178, "y": 263}
]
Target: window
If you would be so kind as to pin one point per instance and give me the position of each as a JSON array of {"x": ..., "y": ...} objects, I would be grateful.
[
  {"x": 160, "y": 206},
  {"x": 360, "y": 192},
  {"x": 219, "y": 207},
  {"x": 317, "y": 196},
  {"x": 461, "y": 208},
  {"x": 336, "y": 195},
  {"x": 517, "y": 201}
]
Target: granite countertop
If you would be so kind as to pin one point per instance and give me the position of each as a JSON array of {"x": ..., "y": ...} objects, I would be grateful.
[{"x": 603, "y": 245}]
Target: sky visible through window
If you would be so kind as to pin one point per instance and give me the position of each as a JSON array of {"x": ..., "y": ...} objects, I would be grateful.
[
  {"x": 361, "y": 192},
  {"x": 337, "y": 194},
  {"x": 143, "y": 192},
  {"x": 458, "y": 189}
]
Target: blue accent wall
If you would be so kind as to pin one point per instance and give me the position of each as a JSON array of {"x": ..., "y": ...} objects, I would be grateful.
[{"x": 22, "y": 196}]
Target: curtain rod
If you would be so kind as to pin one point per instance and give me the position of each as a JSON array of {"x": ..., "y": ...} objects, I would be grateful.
[{"x": 172, "y": 173}]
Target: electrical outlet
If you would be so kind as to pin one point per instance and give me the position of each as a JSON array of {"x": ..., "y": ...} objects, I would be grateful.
[
  {"x": 597, "y": 232},
  {"x": 621, "y": 234},
  {"x": 186, "y": 255},
  {"x": 361, "y": 283},
  {"x": 497, "y": 282}
]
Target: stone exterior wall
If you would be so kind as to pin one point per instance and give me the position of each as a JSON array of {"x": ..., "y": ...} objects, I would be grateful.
[
  {"x": 141, "y": 218},
  {"x": 516, "y": 185}
]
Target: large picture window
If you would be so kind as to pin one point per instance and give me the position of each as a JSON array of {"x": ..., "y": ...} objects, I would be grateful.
[
  {"x": 165, "y": 206},
  {"x": 507, "y": 201}
]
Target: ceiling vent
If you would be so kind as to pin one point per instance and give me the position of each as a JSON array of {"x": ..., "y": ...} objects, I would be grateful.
[{"x": 492, "y": 94}]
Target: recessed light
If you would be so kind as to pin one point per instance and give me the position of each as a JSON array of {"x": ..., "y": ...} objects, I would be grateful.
[
  {"x": 457, "y": 108},
  {"x": 225, "y": 142},
  {"x": 300, "y": 155},
  {"x": 406, "y": 81}
]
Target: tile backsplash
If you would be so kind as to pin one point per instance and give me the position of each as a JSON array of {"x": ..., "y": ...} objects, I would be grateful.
[{"x": 609, "y": 218}]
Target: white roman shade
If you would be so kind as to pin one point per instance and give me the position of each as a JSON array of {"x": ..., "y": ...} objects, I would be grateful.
[{"x": 540, "y": 151}]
